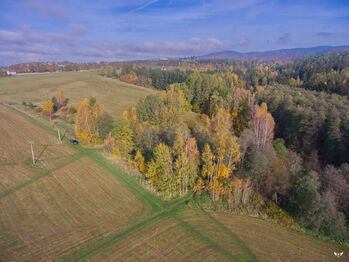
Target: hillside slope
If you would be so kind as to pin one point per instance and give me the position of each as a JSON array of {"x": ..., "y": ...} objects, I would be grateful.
[
  {"x": 276, "y": 55},
  {"x": 114, "y": 96}
]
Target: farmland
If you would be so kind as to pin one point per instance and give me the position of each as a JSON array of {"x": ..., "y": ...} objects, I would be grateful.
[
  {"x": 115, "y": 96},
  {"x": 53, "y": 207},
  {"x": 74, "y": 204},
  {"x": 195, "y": 235}
]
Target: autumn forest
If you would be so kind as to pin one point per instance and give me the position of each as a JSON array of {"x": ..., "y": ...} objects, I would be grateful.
[{"x": 251, "y": 137}]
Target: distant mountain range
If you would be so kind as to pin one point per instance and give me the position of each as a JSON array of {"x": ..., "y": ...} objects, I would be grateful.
[{"x": 276, "y": 55}]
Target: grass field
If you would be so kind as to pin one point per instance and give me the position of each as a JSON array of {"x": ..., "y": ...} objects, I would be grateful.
[
  {"x": 76, "y": 205},
  {"x": 183, "y": 234},
  {"x": 195, "y": 235},
  {"x": 272, "y": 242},
  {"x": 115, "y": 96},
  {"x": 50, "y": 210}
]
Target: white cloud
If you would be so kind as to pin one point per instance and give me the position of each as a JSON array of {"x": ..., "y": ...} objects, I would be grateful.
[
  {"x": 113, "y": 50},
  {"x": 46, "y": 8},
  {"x": 32, "y": 46}
]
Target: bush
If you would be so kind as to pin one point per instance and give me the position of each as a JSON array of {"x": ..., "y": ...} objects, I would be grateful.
[
  {"x": 72, "y": 110},
  {"x": 275, "y": 212},
  {"x": 256, "y": 201},
  {"x": 105, "y": 124},
  {"x": 70, "y": 119}
]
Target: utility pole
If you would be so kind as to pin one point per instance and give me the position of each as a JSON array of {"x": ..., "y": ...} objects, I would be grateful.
[
  {"x": 31, "y": 147},
  {"x": 59, "y": 134}
]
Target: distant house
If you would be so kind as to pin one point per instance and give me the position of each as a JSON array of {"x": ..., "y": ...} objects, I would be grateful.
[{"x": 11, "y": 73}]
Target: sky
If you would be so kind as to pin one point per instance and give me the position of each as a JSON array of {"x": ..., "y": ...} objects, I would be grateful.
[{"x": 115, "y": 30}]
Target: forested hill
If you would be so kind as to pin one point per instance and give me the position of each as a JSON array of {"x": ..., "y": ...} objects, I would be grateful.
[{"x": 277, "y": 55}]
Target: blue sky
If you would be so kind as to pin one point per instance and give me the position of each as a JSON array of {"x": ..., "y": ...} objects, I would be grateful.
[{"x": 106, "y": 30}]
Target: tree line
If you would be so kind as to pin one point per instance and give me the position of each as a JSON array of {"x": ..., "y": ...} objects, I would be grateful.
[{"x": 328, "y": 72}]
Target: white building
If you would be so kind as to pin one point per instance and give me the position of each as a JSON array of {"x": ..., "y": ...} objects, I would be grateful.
[{"x": 11, "y": 73}]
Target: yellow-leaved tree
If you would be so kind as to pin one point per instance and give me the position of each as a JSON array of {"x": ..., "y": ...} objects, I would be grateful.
[
  {"x": 59, "y": 95},
  {"x": 48, "y": 108},
  {"x": 160, "y": 170},
  {"x": 86, "y": 129},
  {"x": 219, "y": 163},
  {"x": 263, "y": 125},
  {"x": 140, "y": 161},
  {"x": 130, "y": 78}
]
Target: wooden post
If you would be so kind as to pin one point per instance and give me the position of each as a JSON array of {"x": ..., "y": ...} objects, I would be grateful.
[{"x": 276, "y": 197}]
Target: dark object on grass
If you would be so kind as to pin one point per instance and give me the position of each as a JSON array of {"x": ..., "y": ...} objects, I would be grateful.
[
  {"x": 133, "y": 152},
  {"x": 73, "y": 141}
]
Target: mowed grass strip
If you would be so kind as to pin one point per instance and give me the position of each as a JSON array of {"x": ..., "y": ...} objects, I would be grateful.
[
  {"x": 272, "y": 242},
  {"x": 115, "y": 96},
  {"x": 62, "y": 211}
]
